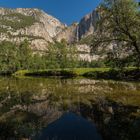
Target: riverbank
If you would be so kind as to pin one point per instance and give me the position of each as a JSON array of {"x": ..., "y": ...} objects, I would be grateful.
[
  {"x": 129, "y": 74},
  {"x": 59, "y": 72},
  {"x": 115, "y": 74}
]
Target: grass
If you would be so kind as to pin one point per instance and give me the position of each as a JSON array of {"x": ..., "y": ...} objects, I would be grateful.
[
  {"x": 20, "y": 21},
  {"x": 59, "y": 72},
  {"x": 46, "y": 73},
  {"x": 81, "y": 71},
  {"x": 95, "y": 73},
  {"x": 115, "y": 74}
]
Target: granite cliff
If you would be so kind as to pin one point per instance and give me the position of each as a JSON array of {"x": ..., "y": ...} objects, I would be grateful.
[
  {"x": 39, "y": 28},
  {"x": 32, "y": 24},
  {"x": 80, "y": 30},
  {"x": 35, "y": 23}
]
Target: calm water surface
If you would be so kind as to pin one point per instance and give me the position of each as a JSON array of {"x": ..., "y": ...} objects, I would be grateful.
[{"x": 61, "y": 109}]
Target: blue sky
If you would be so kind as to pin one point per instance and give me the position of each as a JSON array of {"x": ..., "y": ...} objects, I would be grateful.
[{"x": 67, "y": 11}]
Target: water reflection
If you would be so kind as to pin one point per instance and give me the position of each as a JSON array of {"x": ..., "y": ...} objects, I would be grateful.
[
  {"x": 69, "y": 127},
  {"x": 28, "y": 105}
]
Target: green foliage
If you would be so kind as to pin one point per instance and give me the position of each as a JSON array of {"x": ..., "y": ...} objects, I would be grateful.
[
  {"x": 64, "y": 73},
  {"x": 59, "y": 72},
  {"x": 17, "y": 20},
  {"x": 24, "y": 55},
  {"x": 87, "y": 40},
  {"x": 92, "y": 64},
  {"x": 119, "y": 24},
  {"x": 60, "y": 55},
  {"x": 20, "y": 57},
  {"x": 115, "y": 74},
  {"x": 14, "y": 57},
  {"x": 115, "y": 62},
  {"x": 37, "y": 62},
  {"x": 3, "y": 30},
  {"x": 8, "y": 57},
  {"x": 31, "y": 37}
]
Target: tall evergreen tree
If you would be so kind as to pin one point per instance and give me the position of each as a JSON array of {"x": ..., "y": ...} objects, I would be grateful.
[
  {"x": 24, "y": 55},
  {"x": 8, "y": 57}
]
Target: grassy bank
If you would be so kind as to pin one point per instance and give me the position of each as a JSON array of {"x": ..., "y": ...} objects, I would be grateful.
[
  {"x": 60, "y": 72},
  {"x": 47, "y": 73},
  {"x": 95, "y": 73},
  {"x": 128, "y": 74}
]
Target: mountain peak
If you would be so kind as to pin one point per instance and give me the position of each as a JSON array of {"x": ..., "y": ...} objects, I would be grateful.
[
  {"x": 35, "y": 24},
  {"x": 26, "y": 23}
]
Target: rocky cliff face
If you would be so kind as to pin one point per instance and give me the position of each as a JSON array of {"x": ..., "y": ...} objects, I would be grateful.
[
  {"x": 35, "y": 23},
  {"x": 69, "y": 34},
  {"x": 80, "y": 30},
  {"x": 39, "y": 28},
  {"x": 32, "y": 24},
  {"x": 86, "y": 26}
]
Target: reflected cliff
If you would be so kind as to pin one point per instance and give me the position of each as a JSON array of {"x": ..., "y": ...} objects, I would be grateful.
[{"x": 27, "y": 105}]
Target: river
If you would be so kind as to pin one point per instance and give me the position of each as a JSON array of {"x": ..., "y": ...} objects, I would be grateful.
[{"x": 68, "y": 109}]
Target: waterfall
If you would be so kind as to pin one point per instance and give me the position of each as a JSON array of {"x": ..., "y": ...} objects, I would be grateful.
[{"x": 77, "y": 33}]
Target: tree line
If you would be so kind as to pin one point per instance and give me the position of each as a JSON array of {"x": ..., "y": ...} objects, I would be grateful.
[
  {"x": 58, "y": 55},
  {"x": 15, "y": 57},
  {"x": 118, "y": 25}
]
